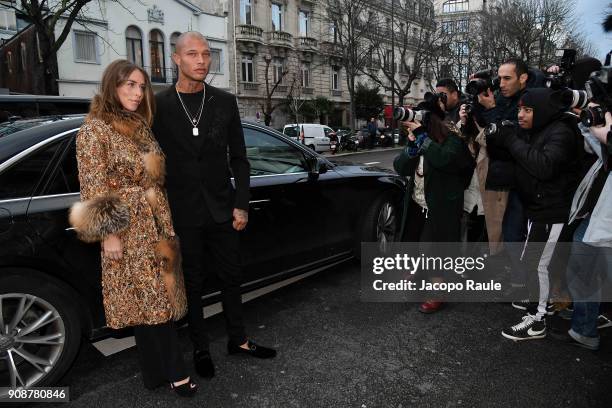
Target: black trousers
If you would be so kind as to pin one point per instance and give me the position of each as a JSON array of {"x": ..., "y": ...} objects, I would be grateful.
[
  {"x": 212, "y": 251},
  {"x": 161, "y": 360}
]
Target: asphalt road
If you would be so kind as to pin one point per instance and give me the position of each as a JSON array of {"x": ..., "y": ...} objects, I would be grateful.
[{"x": 337, "y": 351}]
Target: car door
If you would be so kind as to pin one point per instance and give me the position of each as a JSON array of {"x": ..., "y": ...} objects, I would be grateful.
[
  {"x": 289, "y": 214},
  {"x": 57, "y": 243}
]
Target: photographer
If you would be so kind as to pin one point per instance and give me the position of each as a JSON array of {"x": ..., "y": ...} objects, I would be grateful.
[
  {"x": 589, "y": 266},
  {"x": 546, "y": 150},
  {"x": 503, "y": 209},
  {"x": 452, "y": 97},
  {"x": 449, "y": 166}
]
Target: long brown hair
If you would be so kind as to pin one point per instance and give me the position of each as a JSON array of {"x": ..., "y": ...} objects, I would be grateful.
[{"x": 107, "y": 101}]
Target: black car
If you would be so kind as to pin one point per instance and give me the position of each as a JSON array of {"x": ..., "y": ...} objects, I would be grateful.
[
  {"x": 306, "y": 213},
  {"x": 31, "y": 106}
]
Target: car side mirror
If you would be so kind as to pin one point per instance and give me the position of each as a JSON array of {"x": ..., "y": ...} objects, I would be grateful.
[{"x": 316, "y": 166}]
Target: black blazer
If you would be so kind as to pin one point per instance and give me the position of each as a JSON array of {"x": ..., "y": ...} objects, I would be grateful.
[{"x": 198, "y": 167}]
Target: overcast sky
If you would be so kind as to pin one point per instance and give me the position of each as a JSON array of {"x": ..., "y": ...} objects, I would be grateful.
[{"x": 590, "y": 14}]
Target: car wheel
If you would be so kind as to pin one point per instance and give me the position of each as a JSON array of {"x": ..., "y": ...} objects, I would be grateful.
[
  {"x": 312, "y": 147},
  {"x": 40, "y": 331},
  {"x": 380, "y": 223}
]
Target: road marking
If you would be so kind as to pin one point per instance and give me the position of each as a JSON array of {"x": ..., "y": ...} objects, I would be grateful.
[
  {"x": 111, "y": 345},
  {"x": 371, "y": 163}
]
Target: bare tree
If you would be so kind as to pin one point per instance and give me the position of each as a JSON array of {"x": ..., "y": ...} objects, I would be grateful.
[
  {"x": 349, "y": 21},
  {"x": 47, "y": 16},
  {"x": 529, "y": 29},
  {"x": 269, "y": 103},
  {"x": 415, "y": 43}
]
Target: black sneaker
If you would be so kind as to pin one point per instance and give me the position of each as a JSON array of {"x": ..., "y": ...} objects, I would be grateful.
[{"x": 528, "y": 329}]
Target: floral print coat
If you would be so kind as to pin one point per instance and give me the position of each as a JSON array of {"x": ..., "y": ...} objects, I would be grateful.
[{"x": 121, "y": 173}]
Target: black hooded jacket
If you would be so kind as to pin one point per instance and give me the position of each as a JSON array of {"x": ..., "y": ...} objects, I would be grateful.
[{"x": 547, "y": 156}]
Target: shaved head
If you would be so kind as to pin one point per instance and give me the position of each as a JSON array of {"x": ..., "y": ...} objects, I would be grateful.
[
  {"x": 192, "y": 57},
  {"x": 187, "y": 38}
]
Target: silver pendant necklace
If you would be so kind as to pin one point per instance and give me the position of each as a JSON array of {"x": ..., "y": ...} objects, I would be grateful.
[{"x": 194, "y": 120}]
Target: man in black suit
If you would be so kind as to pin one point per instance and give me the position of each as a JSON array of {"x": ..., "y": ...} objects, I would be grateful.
[{"x": 197, "y": 125}]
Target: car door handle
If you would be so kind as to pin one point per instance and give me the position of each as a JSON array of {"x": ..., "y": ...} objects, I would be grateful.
[{"x": 258, "y": 204}]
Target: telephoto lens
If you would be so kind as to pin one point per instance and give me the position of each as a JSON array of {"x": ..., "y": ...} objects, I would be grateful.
[
  {"x": 407, "y": 115},
  {"x": 593, "y": 116},
  {"x": 574, "y": 99}
]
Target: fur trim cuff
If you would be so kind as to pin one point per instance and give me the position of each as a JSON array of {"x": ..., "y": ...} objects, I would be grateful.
[{"x": 96, "y": 218}]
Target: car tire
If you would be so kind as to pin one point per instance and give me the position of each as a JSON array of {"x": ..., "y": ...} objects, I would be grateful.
[
  {"x": 53, "y": 345},
  {"x": 312, "y": 147},
  {"x": 380, "y": 223}
]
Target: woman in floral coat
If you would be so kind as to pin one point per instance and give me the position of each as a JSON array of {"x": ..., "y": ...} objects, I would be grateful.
[{"x": 124, "y": 206}]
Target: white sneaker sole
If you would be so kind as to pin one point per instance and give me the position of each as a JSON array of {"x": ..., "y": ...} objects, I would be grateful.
[{"x": 515, "y": 339}]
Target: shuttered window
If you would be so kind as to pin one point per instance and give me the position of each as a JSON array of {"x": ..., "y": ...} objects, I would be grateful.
[{"x": 85, "y": 47}]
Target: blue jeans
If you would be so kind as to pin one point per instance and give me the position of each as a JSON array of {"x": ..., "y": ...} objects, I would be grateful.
[
  {"x": 583, "y": 258},
  {"x": 514, "y": 230}
]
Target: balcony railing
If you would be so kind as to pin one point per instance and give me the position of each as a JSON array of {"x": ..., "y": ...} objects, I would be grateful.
[
  {"x": 249, "y": 33},
  {"x": 306, "y": 43},
  {"x": 280, "y": 39},
  {"x": 331, "y": 48},
  {"x": 250, "y": 86}
]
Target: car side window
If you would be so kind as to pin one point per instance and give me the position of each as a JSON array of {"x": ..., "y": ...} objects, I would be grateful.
[
  {"x": 291, "y": 131},
  {"x": 65, "y": 178},
  {"x": 21, "y": 179},
  {"x": 269, "y": 155}
]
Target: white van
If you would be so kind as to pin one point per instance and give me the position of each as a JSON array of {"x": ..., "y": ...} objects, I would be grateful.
[{"x": 315, "y": 135}]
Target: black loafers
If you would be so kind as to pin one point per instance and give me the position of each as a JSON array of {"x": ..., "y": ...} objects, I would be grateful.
[
  {"x": 203, "y": 364},
  {"x": 254, "y": 350}
]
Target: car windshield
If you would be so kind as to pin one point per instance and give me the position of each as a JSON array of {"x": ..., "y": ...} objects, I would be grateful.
[{"x": 7, "y": 128}]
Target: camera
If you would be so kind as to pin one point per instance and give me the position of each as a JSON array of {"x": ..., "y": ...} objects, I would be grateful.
[
  {"x": 483, "y": 80},
  {"x": 408, "y": 115},
  {"x": 598, "y": 85},
  {"x": 563, "y": 79},
  {"x": 593, "y": 116}
]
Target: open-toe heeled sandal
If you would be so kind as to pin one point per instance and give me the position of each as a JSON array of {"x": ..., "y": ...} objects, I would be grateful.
[{"x": 185, "y": 390}]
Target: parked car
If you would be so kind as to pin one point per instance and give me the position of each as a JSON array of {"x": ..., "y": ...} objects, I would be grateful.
[
  {"x": 306, "y": 213},
  {"x": 316, "y": 136},
  {"x": 31, "y": 106}
]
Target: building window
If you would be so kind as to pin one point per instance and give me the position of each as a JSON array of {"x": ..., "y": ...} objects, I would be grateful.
[
  {"x": 461, "y": 49},
  {"x": 247, "y": 69},
  {"x": 277, "y": 17},
  {"x": 305, "y": 76},
  {"x": 278, "y": 65},
  {"x": 335, "y": 80},
  {"x": 246, "y": 12},
  {"x": 333, "y": 31},
  {"x": 85, "y": 47},
  {"x": 8, "y": 21},
  {"x": 158, "y": 56},
  {"x": 24, "y": 55},
  {"x": 133, "y": 40},
  {"x": 215, "y": 61},
  {"x": 463, "y": 26},
  {"x": 304, "y": 23},
  {"x": 455, "y": 6},
  {"x": 173, "y": 39},
  {"x": 9, "y": 62}
]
